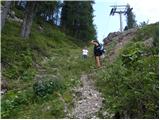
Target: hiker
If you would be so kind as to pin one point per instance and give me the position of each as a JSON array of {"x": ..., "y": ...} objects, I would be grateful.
[
  {"x": 85, "y": 52},
  {"x": 103, "y": 54},
  {"x": 97, "y": 52}
]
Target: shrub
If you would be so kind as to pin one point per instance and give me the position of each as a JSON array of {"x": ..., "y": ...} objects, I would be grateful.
[
  {"x": 132, "y": 53},
  {"x": 131, "y": 91},
  {"x": 47, "y": 86},
  {"x": 130, "y": 85}
]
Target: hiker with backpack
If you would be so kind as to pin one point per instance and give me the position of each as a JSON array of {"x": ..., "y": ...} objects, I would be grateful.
[{"x": 98, "y": 51}]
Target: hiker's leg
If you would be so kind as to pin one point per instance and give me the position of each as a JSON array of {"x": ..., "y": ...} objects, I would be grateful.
[
  {"x": 101, "y": 60},
  {"x": 98, "y": 61},
  {"x": 84, "y": 56}
]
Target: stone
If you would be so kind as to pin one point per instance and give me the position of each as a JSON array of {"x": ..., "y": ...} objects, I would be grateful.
[
  {"x": 149, "y": 42},
  {"x": 12, "y": 14},
  {"x": 119, "y": 35},
  {"x": 40, "y": 28},
  {"x": 94, "y": 117},
  {"x": 80, "y": 102},
  {"x": 78, "y": 94},
  {"x": 104, "y": 114}
]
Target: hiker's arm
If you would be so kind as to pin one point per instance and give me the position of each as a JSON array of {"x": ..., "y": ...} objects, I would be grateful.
[{"x": 95, "y": 43}]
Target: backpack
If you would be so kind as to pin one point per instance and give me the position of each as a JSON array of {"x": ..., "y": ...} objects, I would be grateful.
[{"x": 100, "y": 48}]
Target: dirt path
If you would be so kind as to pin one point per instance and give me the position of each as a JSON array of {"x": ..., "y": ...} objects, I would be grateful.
[{"x": 88, "y": 100}]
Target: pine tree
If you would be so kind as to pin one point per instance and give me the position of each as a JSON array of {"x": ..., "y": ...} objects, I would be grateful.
[
  {"x": 48, "y": 11},
  {"x": 131, "y": 22},
  {"x": 77, "y": 19}
]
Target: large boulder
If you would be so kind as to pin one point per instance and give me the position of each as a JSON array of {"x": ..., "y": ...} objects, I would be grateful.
[{"x": 128, "y": 34}]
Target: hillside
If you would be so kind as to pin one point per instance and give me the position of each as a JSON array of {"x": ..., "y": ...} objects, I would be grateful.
[
  {"x": 129, "y": 81},
  {"x": 45, "y": 75},
  {"x": 39, "y": 71}
]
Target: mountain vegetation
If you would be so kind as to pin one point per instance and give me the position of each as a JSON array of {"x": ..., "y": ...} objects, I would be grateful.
[
  {"x": 130, "y": 83},
  {"x": 77, "y": 19},
  {"x": 42, "y": 63}
]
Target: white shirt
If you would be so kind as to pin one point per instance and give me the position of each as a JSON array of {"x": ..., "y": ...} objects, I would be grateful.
[{"x": 85, "y": 52}]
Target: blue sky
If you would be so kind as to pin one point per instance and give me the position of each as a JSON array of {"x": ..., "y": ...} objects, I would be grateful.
[{"x": 145, "y": 10}]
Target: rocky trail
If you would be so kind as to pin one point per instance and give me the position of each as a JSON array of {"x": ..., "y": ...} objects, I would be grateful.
[{"x": 87, "y": 101}]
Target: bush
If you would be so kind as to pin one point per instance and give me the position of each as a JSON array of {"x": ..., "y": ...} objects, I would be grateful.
[
  {"x": 131, "y": 92},
  {"x": 130, "y": 85},
  {"x": 132, "y": 53},
  {"x": 47, "y": 86},
  {"x": 146, "y": 32}
]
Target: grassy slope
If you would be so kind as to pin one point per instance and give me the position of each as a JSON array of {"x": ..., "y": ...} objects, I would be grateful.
[
  {"x": 52, "y": 53},
  {"x": 130, "y": 84},
  {"x": 46, "y": 53}
]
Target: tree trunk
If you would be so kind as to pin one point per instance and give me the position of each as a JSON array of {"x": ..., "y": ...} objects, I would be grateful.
[
  {"x": 27, "y": 22},
  {"x": 5, "y": 12}
]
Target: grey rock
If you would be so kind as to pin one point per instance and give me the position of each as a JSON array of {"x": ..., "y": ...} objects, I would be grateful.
[
  {"x": 149, "y": 42},
  {"x": 118, "y": 36},
  {"x": 104, "y": 113},
  {"x": 12, "y": 14},
  {"x": 78, "y": 94}
]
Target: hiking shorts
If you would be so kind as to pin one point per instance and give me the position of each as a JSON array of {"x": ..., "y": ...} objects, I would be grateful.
[{"x": 97, "y": 53}]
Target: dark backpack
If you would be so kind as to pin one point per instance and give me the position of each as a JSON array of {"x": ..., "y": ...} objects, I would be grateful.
[{"x": 100, "y": 48}]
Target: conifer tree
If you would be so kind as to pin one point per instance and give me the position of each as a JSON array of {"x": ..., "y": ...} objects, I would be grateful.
[
  {"x": 131, "y": 22},
  {"x": 77, "y": 19}
]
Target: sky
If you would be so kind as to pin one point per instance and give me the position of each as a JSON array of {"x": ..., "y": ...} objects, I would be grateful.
[{"x": 144, "y": 10}]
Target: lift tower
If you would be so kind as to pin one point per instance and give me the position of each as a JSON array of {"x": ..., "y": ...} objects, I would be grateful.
[{"x": 120, "y": 9}]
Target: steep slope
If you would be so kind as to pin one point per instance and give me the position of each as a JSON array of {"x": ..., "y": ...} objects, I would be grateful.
[
  {"x": 42, "y": 71},
  {"x": 120, "y": 40},
  {"x": 39, "y": 72},
  {"x": 129, "y": 80}
]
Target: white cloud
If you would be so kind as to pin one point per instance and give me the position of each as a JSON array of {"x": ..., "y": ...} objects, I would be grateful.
[{"x": 144, "y": 9}]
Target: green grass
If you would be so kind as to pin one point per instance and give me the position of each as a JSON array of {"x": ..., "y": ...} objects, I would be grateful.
[
  {"x": 57, "y": 58},
  {"x": 130, "y": 84},
  {"x": 50, "y": 50}
]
